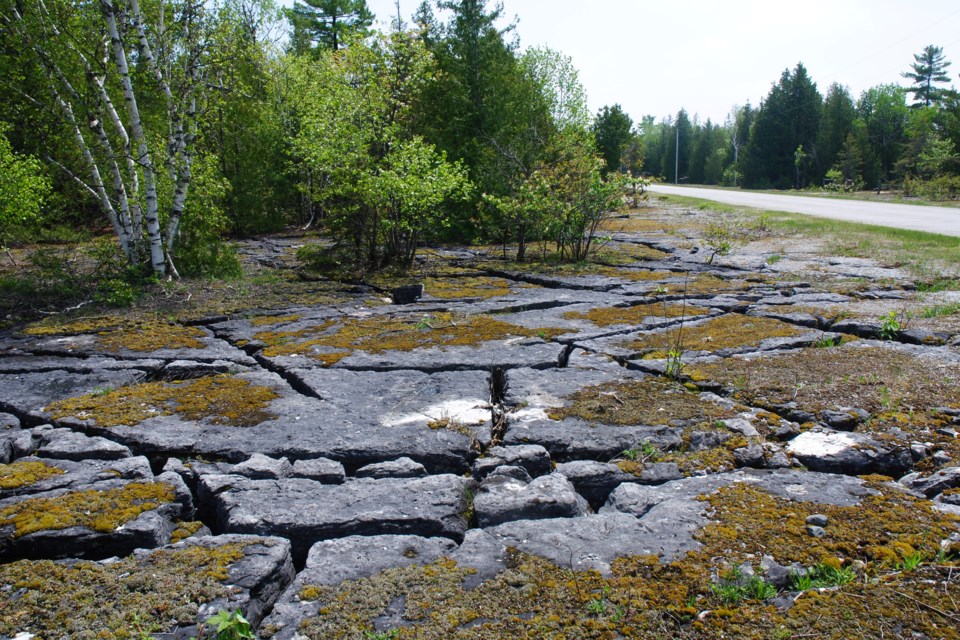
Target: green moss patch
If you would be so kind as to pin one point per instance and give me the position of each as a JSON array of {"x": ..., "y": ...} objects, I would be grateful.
[
  {"x": 648, "y": 401},
  {"x": 220, "y": 399},
  {"x": 329, "y": 341},
  {"x": 731, "y": 331},
  {"x": 101, "y": 511},
  {"x": 88, "y": 600},
  {"x": 609, "y": 316},
  {"x": 25, "y": 473}
]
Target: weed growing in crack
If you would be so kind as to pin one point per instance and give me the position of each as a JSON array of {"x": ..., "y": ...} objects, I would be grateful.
[
  {"x": 821, "y": 576},
  {"x": 642, "y": 452},
  {"x": 891, "y": 324},
  {"x": 719, "y": 238},
  {"x": 827, "y": 342},
  {"x": 675, "y": 365},
  {"x": 733, "y": 588},
  {"x": 911, "y": 562}
]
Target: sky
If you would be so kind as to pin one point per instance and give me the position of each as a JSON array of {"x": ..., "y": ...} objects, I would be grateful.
[{"x": 654, "y": 58}]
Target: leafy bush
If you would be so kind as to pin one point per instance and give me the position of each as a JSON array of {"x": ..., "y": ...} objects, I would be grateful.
[
  {"x": 940, "y": 188},
  {"x": 200, "y": 250},
  {"x": 23, "y": 188}
]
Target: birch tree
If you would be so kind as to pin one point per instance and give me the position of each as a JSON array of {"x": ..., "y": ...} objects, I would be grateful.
[{"x": 126, "y": 79}]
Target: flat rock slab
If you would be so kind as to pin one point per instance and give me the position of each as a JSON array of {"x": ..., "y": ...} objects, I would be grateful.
[
  {"x": 333, "y": 562},
  {"x": 590, "y": 542},
  {"x": 303, "y": 345},
  {"x": 32, "y": 475},
  {"x": 299, "y": 427},
  {"x": 26, "y": 393},
  {"x": 16, "y": 361},
  {"x": 64, "y": 444},
  {"x": 112, "y": 518},
  {"x": 408, "y": 397},
  {"x": 574, "y": 439},
  {"x": 508, "y": 353},
  {"x": 251, "y": 583},
  {"x": 306, "y": 512},
  {"x": 209, "y": 348},
  {"x": 579, "y": 328}
]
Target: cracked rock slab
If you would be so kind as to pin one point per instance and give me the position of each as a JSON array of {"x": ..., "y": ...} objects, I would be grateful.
[
  {"x": 574, "y": 439},
  {"x": 306, "y": 512},
  {"x": 296, "y": 427},
  {"x": 595, "y": 480}
]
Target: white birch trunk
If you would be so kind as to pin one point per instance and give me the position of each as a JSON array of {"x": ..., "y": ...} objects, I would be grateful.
[{"x": 158, "y": 259}]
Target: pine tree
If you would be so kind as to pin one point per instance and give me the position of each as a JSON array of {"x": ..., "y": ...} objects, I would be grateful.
[
  {"x": 612, "y": 130},
  {"x": 929, "y": 68},
  {"x": 836, "y": 124},
  {"x": 789, "y": 119},
  {"x": 327, "y": 24}
]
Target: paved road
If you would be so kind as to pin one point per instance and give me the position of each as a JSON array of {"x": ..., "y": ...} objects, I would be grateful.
[{"x": 945, "y": 220}]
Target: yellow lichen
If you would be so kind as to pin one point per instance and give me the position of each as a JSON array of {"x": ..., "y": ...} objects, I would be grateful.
[
  {"x": 114, "y": 333},
  {"x": 147, "y": 337},
  {"x": 184, "y": 530},
  {"x": 729, "y": 331},
  {"x": 453, "y": 288},
  {"x": 608, "y": 316},
  {"x": 221, "y": 399},
  {"x": 25, "y": 473},
  {"x": 263, "y": 321},
  {"x": 332, "y": 341},
  {"x": 101, "y": 511},
  {"x": 649, "y": 401}
]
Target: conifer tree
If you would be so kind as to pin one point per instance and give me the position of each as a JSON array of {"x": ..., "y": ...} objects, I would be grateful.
[
  {"x": 327, "y": 24},
  {"x": 928, "y": 69}
]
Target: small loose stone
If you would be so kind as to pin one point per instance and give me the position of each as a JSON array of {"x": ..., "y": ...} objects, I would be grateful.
[
  {"x": 818, "y": 520},
  {"x": 815, "y": 531}
]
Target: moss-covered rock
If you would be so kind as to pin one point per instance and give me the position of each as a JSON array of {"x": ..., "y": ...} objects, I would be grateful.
[{"x": 220, "y": 399}]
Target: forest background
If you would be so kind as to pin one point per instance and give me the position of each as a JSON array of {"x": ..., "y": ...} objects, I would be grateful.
[{"x": 177, "y": 124}]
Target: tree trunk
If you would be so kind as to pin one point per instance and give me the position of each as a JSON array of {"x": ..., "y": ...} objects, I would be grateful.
[{"x": 158, "y": 258}]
